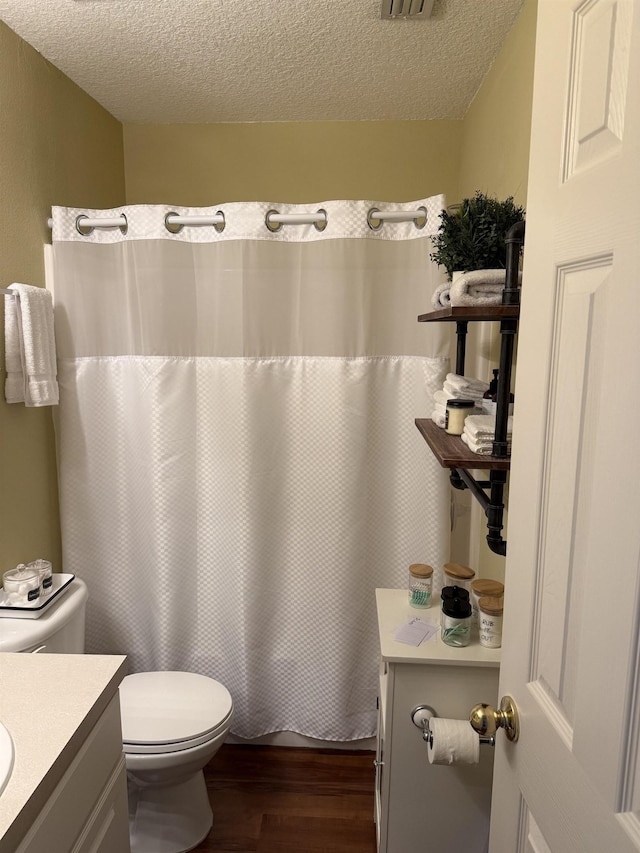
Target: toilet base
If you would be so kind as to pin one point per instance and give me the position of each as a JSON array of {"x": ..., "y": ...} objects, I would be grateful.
[{"x": 169, "y": 818}]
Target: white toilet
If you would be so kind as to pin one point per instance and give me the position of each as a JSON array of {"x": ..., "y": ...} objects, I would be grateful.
[{"x": 173, "y": 723}]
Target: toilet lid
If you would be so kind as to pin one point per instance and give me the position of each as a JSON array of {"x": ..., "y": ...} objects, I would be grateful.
[{"x": 169, "y": 707}]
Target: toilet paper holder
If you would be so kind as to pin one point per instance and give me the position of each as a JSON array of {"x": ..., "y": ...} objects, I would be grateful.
[{"x": 421, "y": 716}]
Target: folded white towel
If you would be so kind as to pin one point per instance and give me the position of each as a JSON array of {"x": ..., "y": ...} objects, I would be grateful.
[
  {"x": 479, "y": 287},
  {"x": 483, "y": 442},
  {"x": 470, "y": 394},
  {"x": 479, "y": 427},
  {"x": 482, "y": 448},
  {"x": 441, "y": 298},
  {"x": 30, "y": 347},
  {"x": 466, "y": 383},
  {"x": 441, "y": 397},
  {"x": 439, "y": 418}
]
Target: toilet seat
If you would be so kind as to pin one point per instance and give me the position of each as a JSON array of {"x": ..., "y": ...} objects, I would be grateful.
[
  {"x": 159, "y": 747},
  {"x": 172, "y": 711}
]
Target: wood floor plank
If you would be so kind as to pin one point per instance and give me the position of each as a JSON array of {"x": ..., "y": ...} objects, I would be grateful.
[
  {"x": 356, "y": 806},
  {"x": 284, "y": 834},
  {"x": 291, "y": 767},
  {"x": 265, "y": 798}
]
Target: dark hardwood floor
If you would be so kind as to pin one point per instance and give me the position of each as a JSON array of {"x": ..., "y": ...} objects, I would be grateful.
[{"x": 273, "y": 799}]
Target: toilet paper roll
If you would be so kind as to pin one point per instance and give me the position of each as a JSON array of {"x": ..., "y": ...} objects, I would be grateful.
[{"x": 454, "y": 742}]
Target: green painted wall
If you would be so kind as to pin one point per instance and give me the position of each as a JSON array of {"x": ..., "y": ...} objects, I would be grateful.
[
  {"x": 199, "y": 165},
  {"x": 57, "y": 146},
  {"x": 497, "y": 127},
  {"x": 495, "y": 159}
]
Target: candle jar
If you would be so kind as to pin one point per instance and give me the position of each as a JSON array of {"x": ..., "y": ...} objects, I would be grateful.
[
  {"x": 490, "y": 622},
  {"x": 456, "y": 627},
  {"x": 457, "y": 411},
  {"x": 420, "y": 585},
  {"x": 483, "y": 588},
  {"x": 457, "y": 575},
  {"x": 21, "y": 585}
]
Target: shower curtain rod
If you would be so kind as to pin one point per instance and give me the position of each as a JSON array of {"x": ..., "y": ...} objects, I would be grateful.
[{"x": 375, "y": 218}]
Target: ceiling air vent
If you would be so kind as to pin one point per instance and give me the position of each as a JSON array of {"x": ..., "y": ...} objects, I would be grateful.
[{"x": 408, "y": 9}]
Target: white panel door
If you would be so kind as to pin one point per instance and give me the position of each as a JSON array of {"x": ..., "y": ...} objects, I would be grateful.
[{"x": 571, "y": 650}]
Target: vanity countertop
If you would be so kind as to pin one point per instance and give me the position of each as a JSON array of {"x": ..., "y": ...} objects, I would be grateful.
[
  {"x": 394, "y": 610},
  {"x": 49, "y": 703}
]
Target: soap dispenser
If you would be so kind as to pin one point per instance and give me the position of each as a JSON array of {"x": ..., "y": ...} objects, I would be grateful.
[{"x": 492, "y": 390}]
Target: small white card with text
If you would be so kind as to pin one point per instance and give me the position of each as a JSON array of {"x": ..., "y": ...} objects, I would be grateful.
[{"x": 415, "y": 631}]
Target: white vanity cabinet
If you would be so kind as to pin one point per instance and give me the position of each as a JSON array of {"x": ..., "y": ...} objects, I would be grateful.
[
  {"x": 87, "y": 812},
  {"x": 67, "y": 792},
  {"x": 421, "y": 806}
]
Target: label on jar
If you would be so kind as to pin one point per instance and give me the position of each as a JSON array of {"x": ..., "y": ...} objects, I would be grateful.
[
  {"x": 47, "y": 582},
  {"x": 33, "y": 594},
  {"x": 490, "y": 633}
]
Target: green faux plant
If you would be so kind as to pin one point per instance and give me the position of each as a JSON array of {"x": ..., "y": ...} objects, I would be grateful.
[{"x": 471, "y": 237}]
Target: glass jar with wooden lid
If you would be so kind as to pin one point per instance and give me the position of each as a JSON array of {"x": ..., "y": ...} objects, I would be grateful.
[
  {"x": 420, "y": 585},
  {"x": 490, "y": 621},
  {"x": 483, "y": 588},
  {"x": 457, "y": 575}
]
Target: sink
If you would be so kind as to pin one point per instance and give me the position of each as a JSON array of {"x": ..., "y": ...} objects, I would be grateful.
[{"x": 6, "y": 756}]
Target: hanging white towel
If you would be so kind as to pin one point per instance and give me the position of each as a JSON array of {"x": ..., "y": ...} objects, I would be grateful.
[
  {"x": 30, "y": 347},
  {"x": 14, "y": 383}
]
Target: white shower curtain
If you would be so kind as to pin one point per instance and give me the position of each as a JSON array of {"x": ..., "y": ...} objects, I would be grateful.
[{"x": 238, "y": 462}]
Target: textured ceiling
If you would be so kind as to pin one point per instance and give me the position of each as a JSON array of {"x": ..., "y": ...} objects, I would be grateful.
[{"x": 175, "y": 61}]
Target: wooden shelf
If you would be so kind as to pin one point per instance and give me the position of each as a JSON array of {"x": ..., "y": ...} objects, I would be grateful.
[
  {"x": 452, "y": 452},
  {"x": 484, "y": 312}
]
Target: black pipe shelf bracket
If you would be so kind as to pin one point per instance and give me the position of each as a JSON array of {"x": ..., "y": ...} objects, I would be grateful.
[
  {"x": 492, "y": 504},
  {"x": 450, "y": 450}
]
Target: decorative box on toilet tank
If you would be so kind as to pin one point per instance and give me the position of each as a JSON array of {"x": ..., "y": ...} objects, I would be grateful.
[{"x": 421, "y": 806}]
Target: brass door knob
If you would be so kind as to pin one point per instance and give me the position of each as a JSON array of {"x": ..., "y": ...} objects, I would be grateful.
[{"x": 486, "y": 720}]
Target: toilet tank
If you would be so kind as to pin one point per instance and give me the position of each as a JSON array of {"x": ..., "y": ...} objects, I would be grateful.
[{"x": 59, "y": 630}]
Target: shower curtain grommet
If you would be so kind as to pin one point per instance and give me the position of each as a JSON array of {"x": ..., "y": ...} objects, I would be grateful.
[
  {"x": 87, "y": 230},
  {"x": 320, "y": 225},
  {"x": 172, "y": 227},
  {"x": 274, "y": 227},
  {"x": 371, "y": 215},
  {"x": 422, "y": 210},
  {"x": 83, "y": 230},
  {"x": 220, "y": 226}
]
